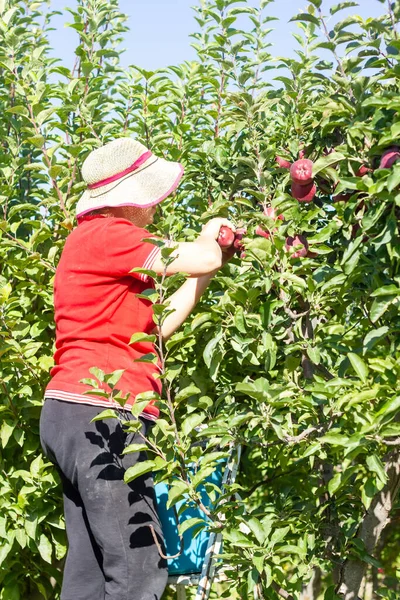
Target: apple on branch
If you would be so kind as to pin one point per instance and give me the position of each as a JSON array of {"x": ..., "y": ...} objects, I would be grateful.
[
  {"x": 299, "y": 244},
  {"x": 226, "y": 237},
  {"x": 304, "y": 193},
  {"x": 262, "y": 232},
  {"x": 301, "y": 171},
  {"x": 239, "y": 235},
  {"x": 282, "y": 162},
  {"x": 269, "y": 211},
  {"x": 389, "y": 157},
  {"x": 363, "y": 170}
]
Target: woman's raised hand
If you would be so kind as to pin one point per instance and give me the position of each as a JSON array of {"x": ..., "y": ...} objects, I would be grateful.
[{"x": 212, "y": 227}]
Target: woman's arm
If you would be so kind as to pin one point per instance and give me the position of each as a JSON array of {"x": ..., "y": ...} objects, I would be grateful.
[
  {"x": 182, "y": 302},
  {"x": 201, "y": 257},
  {"x": 190, "y": 256},
  {"x": 187, "y": 296}
]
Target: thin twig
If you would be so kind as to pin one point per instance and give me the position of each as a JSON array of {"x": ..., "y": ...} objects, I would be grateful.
[
  {"x": 157, "y": 543},
  {"x": 339, "y": 62},
  {"x": 283, "y": 593},
  {"x": 395, "y": 442},
  {"x": 392, "y": 18}
]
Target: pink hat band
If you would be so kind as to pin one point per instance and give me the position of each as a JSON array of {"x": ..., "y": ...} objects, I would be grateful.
[{"x": 138, "y": 163}]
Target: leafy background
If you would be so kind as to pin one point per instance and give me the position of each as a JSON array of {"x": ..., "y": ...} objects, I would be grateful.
[{"x": 295, "y": 359}]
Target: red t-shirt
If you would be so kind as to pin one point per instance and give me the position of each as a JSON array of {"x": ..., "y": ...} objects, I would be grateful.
[{"x": 97, "y": 311}]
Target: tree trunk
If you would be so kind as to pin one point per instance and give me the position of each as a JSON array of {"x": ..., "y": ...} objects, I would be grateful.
[
  {"x": 313, "y": 589},
  {"x": 375, "y": 520}
]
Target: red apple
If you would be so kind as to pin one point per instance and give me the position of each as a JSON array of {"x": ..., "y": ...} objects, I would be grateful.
[
  {"x": 299, "y": 244},
  {"x": 260, "y": 231},
  {"x": 282, "y": 162},
  {"x": 363, "y": 170},
  {"x": 389, "y": 157},
  {"x": 302, "y": 154},
  {"x": 226, "y": 237},
  {"x": 240, "y": 233},
  {"x": 269, "y": 211},
  {"x": 301, "y": 171},
  {"x": 304, "y": 193},
  {"x": 342, "y": 197}
]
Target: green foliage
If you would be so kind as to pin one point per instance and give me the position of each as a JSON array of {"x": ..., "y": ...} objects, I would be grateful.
[{"x": 295, "y": 359}]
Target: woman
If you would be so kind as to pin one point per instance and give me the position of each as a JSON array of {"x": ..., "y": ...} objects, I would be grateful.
[{"x": 111, "y": 552}]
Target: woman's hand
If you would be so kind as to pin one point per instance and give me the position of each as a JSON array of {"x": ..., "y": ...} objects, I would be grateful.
[{"x": 212, "y": 227}]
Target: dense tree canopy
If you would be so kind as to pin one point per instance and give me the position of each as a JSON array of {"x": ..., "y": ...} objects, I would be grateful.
[{"x": 296, "y": 358}]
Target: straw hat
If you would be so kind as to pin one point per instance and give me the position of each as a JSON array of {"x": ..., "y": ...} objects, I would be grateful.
[{"x": 125, "y": 173}]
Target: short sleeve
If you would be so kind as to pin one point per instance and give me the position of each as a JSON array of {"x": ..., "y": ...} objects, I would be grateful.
[{"x": 125, "y": 249}]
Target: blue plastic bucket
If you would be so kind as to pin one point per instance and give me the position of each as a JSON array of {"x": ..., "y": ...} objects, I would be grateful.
[{"x": 194, "y": 550}]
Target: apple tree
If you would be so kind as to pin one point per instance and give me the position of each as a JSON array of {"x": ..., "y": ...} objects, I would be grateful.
[{"x": 293, "y": 351}]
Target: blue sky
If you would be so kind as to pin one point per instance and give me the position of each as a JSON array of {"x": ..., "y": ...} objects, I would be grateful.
[{"x": 160, "y": 29}]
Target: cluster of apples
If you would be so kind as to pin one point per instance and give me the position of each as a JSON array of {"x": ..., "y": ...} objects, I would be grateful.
[
  {"x": 389, "y": 157},
  {"x": 303, "y": 188},
  {"x": 228, "y": 238},
  {"x": 301, "y": 173},
  {"x": 298, "y": 243}
]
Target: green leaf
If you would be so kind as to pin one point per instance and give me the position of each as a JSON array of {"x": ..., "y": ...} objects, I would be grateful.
[
  {"x": 150, "y": 357},
  {"x": 36, "y": 140},
  {"x": 394, "y": 178},
  {"x": 140, "y": 468},
  {"x": 148, "y": 272},
  {"x": 390, "y": 406},
  {"x": 18, "y": 110},
  {"x": 375, "y": 464},
  {"x": 386, "y": 290},
  {"x": 200, "y": 319},
  {"x": 335, "y": 439},
  {"x": 305, "y": 17},
  {"x": 201, "y": 475},
  {"x": 98, "y": 373},
  {"x": 278, "y": 535},
  {"x": 295, "y": 279},
  {"x": 239, "y": 320},
  {"x": 189, "y": 523},
  {"x": 7, "y": 428},
  {"x": 55, "y": 171},
  {"x": 191, "y": 422},
  {"x": 135, "y": 448},
  {"x": 109, "y": 413},
  {"x": 141, "y": 403},
  {"x": 314, "y": 354},
  {"x": 359, "y": 366},
  {"x": 176, "y": 492},
  {"x": 112, "y": 378},
  {"x": 379, "y": 307},
  {"x": 142, "y": 337},
  {"x": 252, "y": 580},
  {"x": 45, "y": 548},
  {"x": 211, "y": 347},
  {"x": 342, "y": 5},
  {"x": 373, "y": 337},
  {"x": 257, "y": 529},
  {"x": 187, "y": 392},
  {"x": 326, "y": 161}
]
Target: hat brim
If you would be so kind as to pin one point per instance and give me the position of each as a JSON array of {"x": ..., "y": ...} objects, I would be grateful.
[{"x": 147, "y": 186}]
